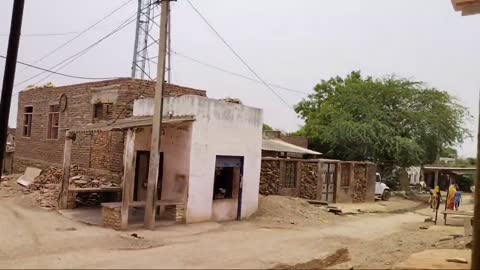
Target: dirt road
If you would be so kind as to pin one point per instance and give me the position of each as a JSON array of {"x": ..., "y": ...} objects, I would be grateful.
[{"x": 43, "y": 239}]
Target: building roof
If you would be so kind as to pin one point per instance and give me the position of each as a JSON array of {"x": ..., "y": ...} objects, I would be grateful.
[
  {"x": 457, "y": 169},
  {"x": 277, "y": 145},
  {"x": 126, "y": 123}
]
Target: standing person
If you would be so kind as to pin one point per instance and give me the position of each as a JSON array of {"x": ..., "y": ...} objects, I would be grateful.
[
  {"x": 458, "y": 198},
  {"x": 436, "y": 198},
  {"x": 451, "y": 197}
]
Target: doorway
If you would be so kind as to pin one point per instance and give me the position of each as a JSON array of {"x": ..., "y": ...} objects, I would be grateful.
[
  {"x": 329, "y": 182},
  {"x": 141, "y": 176},
  {"x": 227, "y": 188}
]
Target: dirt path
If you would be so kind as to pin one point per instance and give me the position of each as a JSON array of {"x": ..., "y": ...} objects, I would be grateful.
[{"x": 43, "y": 239}]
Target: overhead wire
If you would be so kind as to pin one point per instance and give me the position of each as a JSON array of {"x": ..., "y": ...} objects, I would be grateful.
[
  {"x": 75, "y": 56},
  {"x": 61, "y": 74},
  {"x": 72, "y": 58},
  {"x": 222, "y": 69},
  {"x": 237, "y": 55},
  {"x": 81, "y": 33},
  {"x": 45, "y": 34}
]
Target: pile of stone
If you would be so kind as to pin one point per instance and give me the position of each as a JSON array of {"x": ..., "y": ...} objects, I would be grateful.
[
  {"x": 232, "y": 100},
  {"x": 47, "y": 185}
]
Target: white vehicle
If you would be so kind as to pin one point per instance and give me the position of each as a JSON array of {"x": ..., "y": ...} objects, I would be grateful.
[{"x": 381, "y": 189}]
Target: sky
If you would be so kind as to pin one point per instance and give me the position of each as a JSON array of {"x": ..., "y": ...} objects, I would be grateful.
[{"x": 294, "y": 44}]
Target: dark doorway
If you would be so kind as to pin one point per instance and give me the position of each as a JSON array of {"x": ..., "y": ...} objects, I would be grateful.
[
  {"x": 228, "y": 180},
  {"x": 141, "y": 175}
]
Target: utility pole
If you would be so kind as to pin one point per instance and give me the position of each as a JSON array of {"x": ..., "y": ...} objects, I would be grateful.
[
  {"x": 476, "y": 201},
  {"x": 169, "y": 51},
  {"x": 9, "y": 75},
  {"x": 153, "y": 169}
]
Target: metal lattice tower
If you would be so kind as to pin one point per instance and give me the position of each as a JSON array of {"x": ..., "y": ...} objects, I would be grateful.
[{"x": 140, "y": 50}]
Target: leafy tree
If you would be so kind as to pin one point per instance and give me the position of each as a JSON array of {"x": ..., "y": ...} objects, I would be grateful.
[
  {"x": 391, "y": 121},
  {"x": 267, "y": 127},
  {"x": 449, "y": 152}
]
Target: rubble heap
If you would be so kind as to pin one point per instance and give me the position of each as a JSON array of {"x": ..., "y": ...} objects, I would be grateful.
[{"x": 47, "y": 185}]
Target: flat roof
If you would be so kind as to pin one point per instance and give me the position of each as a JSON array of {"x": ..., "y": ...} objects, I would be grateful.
[
  {"x": 126, "y": 123},
  {"x": 277, "y": 145},
  {"x": 440, "y": 168}
]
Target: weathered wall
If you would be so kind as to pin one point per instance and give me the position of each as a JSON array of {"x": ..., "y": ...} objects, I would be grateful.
[
  {"x": 308, "y": 180},
  {"x": 270, "y": 177},
  {"x": 354, "y": 181},
  {"x": 102, "y": 152},
  {"x": 220, "y": 128},
  {"x": 175, "y": 145},
  {"x": 295, "y": 140}
]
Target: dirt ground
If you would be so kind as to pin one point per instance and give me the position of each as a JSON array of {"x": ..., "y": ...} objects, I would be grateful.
[{"x": 39, "y": 238}]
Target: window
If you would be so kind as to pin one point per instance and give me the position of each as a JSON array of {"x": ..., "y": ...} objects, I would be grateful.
[
  {"x": 102, "y": 111},
  {"x": 227, "y": 177},
  {"x": 27, "y": 121},
  {"x": 290, "y": 174},
  {"x": 53, "y": 122}
]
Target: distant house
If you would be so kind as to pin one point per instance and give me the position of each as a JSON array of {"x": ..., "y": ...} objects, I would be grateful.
[
  {"x": 292, "y": 170},
  {"x": 275, "y": 144}
]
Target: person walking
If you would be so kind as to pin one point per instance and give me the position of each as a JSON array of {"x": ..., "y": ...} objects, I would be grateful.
[{"x": 458, "y": 198}]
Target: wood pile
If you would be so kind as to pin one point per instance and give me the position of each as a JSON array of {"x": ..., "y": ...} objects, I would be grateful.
[
  {"x": 308, "y": 182},
  {"x": 360, "y": 187},
  {"x": 270, "y": 177}
]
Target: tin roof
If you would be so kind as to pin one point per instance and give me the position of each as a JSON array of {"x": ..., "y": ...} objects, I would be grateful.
[
  {"x": 281, "y": 146},
  {"x": 126, "y": 123}
]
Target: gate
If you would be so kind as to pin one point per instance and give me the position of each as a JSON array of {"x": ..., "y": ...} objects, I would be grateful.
[{"x": 329, "y": 171}]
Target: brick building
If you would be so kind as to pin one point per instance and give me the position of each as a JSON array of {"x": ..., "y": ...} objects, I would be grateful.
[{"x": 46, "y": 113}]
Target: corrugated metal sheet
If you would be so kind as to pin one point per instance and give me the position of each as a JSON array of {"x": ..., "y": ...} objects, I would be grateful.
[
  {"x": 127, "y": 123},
  {"x": 281, "y": 146}
]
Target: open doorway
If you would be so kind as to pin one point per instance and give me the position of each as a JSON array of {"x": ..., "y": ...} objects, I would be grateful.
[
  {"x": 227, "y": 188},
  {"x": 141, "y": 176}
]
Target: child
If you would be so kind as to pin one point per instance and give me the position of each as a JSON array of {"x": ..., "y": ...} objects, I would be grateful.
[{"x": 458, "y": 199}]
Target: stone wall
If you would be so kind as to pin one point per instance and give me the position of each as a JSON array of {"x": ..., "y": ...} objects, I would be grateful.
[
  {"x": 308, "y": 180},
  {"x": 355, "y": 181},
  {"x": 270, "y": 177},
  {"x": 112, "y": 217},
  {"x": 102, "y": 152}
]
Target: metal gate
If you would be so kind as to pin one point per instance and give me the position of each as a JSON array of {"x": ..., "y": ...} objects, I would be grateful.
[{"x": 329, "y": 178}]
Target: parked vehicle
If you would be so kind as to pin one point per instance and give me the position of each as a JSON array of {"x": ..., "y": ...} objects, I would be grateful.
[{"x": 381, "y": 189}]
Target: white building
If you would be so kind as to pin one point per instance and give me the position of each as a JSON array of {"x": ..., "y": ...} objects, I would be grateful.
[{"x": 210, "y": 157}]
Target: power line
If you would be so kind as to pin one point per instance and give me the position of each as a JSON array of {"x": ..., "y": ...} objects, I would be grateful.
[
  {"x": 74, "y": 57},
  {"x": 237, "y": 74},
  {"x": 236, "y": 54},
  {"x": 81, "y": 33},
  {"x": 61, "y": 74},
  {"x": 45, "y": 34},
  {"x": 223, "y": 70}
]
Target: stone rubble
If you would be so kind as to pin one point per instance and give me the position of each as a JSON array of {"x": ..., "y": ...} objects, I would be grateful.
[{"x": 47, "y": 184}]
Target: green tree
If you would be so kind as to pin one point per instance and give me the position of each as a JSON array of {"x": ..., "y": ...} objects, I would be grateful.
[
  {"x": 267, "y": 127},
  {"x": 449, "y": 152},
  {"x": 391, "y": 121}
]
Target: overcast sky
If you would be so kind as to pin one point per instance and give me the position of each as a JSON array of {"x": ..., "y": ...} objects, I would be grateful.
[{"x": 294, "y": 44}]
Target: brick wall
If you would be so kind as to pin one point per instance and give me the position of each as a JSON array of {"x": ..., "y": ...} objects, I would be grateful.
[{"x": 99, "y": 151}]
